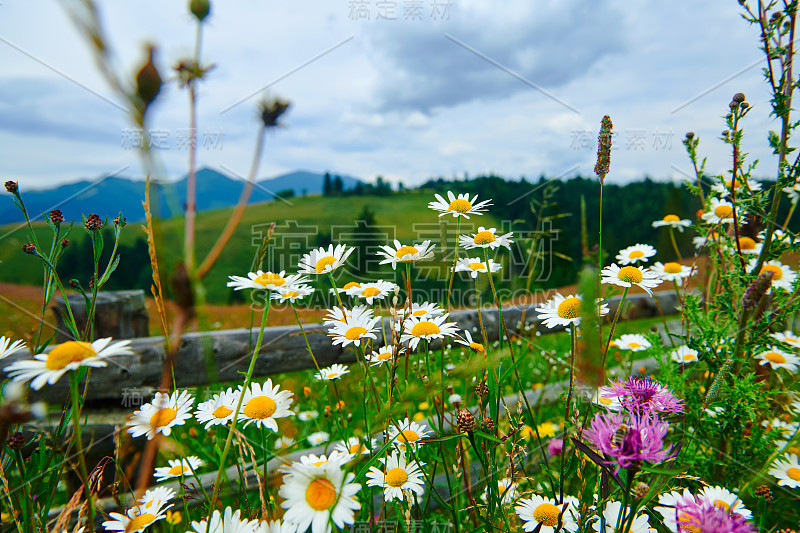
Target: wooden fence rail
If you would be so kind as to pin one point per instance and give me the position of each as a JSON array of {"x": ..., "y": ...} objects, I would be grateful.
[{"x": 283, "y": 350}]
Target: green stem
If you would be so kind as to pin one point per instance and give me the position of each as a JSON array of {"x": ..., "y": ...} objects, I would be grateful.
[
  {"x": 674, "y": 243},
  {"x": 455, "y": 261},
  {"x": 78, "y": 444},
  {"x": 613, "y": 324}
]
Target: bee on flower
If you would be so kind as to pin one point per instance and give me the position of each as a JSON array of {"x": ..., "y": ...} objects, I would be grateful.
[{"x": 458, "y": 206}]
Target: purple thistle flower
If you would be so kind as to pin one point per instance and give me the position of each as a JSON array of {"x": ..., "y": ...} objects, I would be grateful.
[
  {"x": 642, "y": 395},
  {"x": 702, "y": 516},
  {"x": 555, "y": 447},
  {"x": 629, "y": 440}
]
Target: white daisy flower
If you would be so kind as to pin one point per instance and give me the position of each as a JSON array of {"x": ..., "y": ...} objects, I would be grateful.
[
  {"x": 563, "y": 310},
  {"x": 684, "y": 355},
  {"x": 543, "y": 514},
  {"x": 633, "y": 342},
  {"x": 671, "y": 271},
  {"x": 178, "y": 468},
  {"x": 475, "y": 265},
  {"x": 668, "y": 507},
  {"x": 218, "y": 410},
  {"x": 372, "y": 290},
  {"x": 406, "y": 254},
  {"x": 629, "y": 276},
  {"x": 633, "y": 254},
  {"x": 71, "y": 355},
  {"x": 305, "y": 416},
  {"x": 317, "y": 496},
  {"x": 425, "y": 309},
  {"x": 416, "y": 329},
  {"x": 335, "y": 371},
  {"x": 409, "y": 433},
  {"x": 383, "y": 355},
  {"x": 397, "y": 476},
  {"x": 275, "y": 526},
  {"x": 723, "y": 188},
  {"x": 230, "y": 522},
  {"x": 748, "y": 246},
  {"x": 458, "y": 206},
  {"x": 787, "y": 471},
  {"x": 674, "y": 222},
  {"x": 783, "y": 277},
  {"x": 777, "y": 358},
  {"x": 265, "y": 280},
  {"x": 292, "y": 293},
  {"x": 7, "y": 347},
  {"x": 485, "y": 238},
  {"x": 713, "y": 412},
  {"x": 469, "y": 343},
  {"x": 318, "y": 438},
  {"x": 602, "y": 396},
  {"x": 283, "y": 442},
  {"x": 354, "y": 331},
  {"x": 724, "y": 499},
  {"x": 507, "y": 490},
  {"x": 337, "y": 315},
  {"x": 324, "y": 260},
  {"x": 336, "y": 458},
  {"x": 788, "y": 336},
  {"x": 353, "y": 446},
  {"x": 454, "y": 399},
  {"x": 719, "y": 212},
  {"x": 161, "y": 415},
  {"x": 711, "y": 238},
  {"x": 612, "y": 514},
  {"x": 263, "y": 403},
  {"x": 149, "y": 509}
]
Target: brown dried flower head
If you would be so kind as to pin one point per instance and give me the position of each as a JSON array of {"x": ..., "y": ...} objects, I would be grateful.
[
  {"x": 93, "y": 222},
  {"x": 56, "y": 217}
]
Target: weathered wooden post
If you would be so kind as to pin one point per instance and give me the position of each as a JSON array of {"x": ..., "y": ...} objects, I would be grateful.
[{"x": 118, "y": 314}]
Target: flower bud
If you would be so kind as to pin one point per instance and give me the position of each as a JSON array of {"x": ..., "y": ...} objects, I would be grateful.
[
  {"x": 12, "y": 187},
  {"x": 465, "y": 421},
  {"x": 200, "y": 8}
]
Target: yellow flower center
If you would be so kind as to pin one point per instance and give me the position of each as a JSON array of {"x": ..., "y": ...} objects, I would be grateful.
[
  {"x": 725, "y": 506},
  {"x": 777, "y": 272},
  {"x": 396, "y": 477},
  {"x": 269, "y": 278},
  {"x": 636, "y": 254},
  {"x": 424, "y": 329},
  {"x": 333, "y": 375},
  {"x": 794, "y": 450},
  {"x": 369, "y": 292},
  {"x": 736, "y": 184},
  {"x": 746, "y": 243},
  {"x": 459, "y": 206},
  {"x": 356, "y": 448},
  {"x": 291, "y": 294},
  {"x": 484, "y": 237},
  {"x": 604, "y": 400},
  {"x": 323, "y": 263},
  {"x": 546, "y": 514},
  {"x": 222, "y": 411},
  {"x": 476, "y": 347},
  {"x": 476, "y": 266},
  {"x": 352, "y": 284},
  {"x": 671, "y": 218},
  {"x": 630, "y": 274},
  {"x": 384, "y": 356},
  {"x": 68, "y": 352},
  {"x": 634, "y": 345},
  {"x": 320, "y": 494},
  {"x": 354, "y": 333},
  {"x": 673, "y": 268},
  {"x": 177, "y": 470},
  {"x": 775, "y": 357},
  {"x": 420, "y": 312},
  {"x": 406, "y": 250},
  {"x": 162, "y": 417},
  {"x": 794, "y": 473},
  {"x": 140, "y": 522},
  {"x": 408, "y": 435},
  {"x": 689, "y": 357},
  {"x": 688, "y": 523},
  {"x": 723, "y": 211},
  {"x": 570, "y": 308},
  {"x": 260, "y": 407}
]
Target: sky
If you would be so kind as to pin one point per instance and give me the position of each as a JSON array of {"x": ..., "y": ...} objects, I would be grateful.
[{"x": 407, "y": 89}]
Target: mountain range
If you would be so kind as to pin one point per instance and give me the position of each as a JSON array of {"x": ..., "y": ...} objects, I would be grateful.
[{"x": 110, "y": 195}]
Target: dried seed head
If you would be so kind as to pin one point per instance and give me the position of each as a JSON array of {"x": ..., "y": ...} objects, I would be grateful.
[
  {"x": 65, "y": 243},
  {"x": 488, "y": 423},
  {"x": 482, "y": 389},
  {"x": 119, "y": 221},
  {"x": 757, "y": 290},
  {"x": 690, "y": 135},
  {"x": 640, "y": 490},
  {"x": 91, "y": 282},
  {"x": 12, "y": 187},
  {"x": 16, "y": 440},
  {"x": 271, "y": 110},
  {"x": 73, "y": 283},
  {"x": 148, "y": 80},
  {"x": 738, "y": 98},
  {"x": 56, "y": 217},
  {"x": 604, "y": 149},
  {"x": 93, "y": 222},
  {"x": 28, "y": 248},
  {"x": 465, "y": 421}
]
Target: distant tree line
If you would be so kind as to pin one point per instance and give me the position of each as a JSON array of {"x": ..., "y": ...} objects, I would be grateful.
[{"x": 334, "y": 186}]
